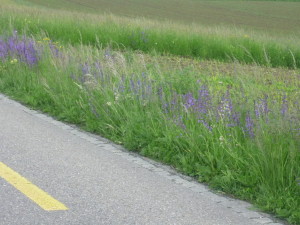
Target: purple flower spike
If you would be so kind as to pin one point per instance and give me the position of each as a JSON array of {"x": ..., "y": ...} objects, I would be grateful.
[
  {"x": 204, "y": 100},
  {"x": 25, "y": 50},
  {"x": 249, "y": 125},
  {"x": 205, "y": 124},
  {"x": 30, "y": 54},
  {"x": 261, "y": 107},
  {"x": 225, "y": 108},
  {"x": 3, "y": 50},
  {"x": 189, "y": 101},
  {"x": 86, "y": 69},
  {"x": 284, "y": 106},
  {"x": 54, "y": 49}
]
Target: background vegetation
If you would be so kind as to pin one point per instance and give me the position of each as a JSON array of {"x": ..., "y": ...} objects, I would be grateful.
[
  {"x": 221, "y": 43},
  {"x": 273, "y": 16}
]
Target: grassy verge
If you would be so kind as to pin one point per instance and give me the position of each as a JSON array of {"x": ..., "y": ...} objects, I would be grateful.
[
  {"x": 237, "y": 133},
  {"x": 225, "y": 45}
]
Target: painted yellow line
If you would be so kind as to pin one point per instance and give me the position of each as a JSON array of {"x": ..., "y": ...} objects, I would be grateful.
[{"x": 44, "y": 200}]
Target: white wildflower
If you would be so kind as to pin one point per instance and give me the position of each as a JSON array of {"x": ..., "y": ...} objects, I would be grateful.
[
  {"x": 117, "y": 96},
  {"x": 221, "y": 139}
]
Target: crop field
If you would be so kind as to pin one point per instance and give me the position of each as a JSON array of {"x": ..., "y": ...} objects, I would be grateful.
[
  {"x": 217, "y": 99},
  {"x": 265, "y": 15}
]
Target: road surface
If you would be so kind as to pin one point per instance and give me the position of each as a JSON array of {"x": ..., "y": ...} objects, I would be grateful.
[{"x": 52, "y": 173}]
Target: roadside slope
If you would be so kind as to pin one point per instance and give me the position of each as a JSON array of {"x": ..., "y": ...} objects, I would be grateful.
[{"x": 99, "y": 182}]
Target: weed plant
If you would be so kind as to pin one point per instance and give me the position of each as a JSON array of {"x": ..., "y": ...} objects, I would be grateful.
[{"x": 239, "y": 138}]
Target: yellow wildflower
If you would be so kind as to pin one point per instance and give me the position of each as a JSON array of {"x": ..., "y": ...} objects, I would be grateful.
[{"x": 13, "y": 61}]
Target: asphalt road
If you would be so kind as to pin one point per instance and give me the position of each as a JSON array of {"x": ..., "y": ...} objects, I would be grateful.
[{"x": 98, "y": 182}]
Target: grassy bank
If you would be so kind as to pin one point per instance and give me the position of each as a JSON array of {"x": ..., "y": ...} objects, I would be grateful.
[
  {"x": 234, "y": 125},
  {"x": 223, "y": 44},
  {"x": 240, "y": 134}
]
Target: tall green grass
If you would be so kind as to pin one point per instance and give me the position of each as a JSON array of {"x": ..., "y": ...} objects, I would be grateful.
[
  {"x": 208, "y": 45},
  {"x": 122, "y": 97}
]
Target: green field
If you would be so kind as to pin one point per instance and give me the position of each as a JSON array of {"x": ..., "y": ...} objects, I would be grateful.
[
  {"x": 223, "y": 43},
  {"x": 208, "y": 87},
  {"x": 273, "y": 16}
]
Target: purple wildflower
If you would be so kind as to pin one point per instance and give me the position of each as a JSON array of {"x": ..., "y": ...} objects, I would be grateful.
[
  {"x": 31, "y": 54},
  {"x": 160, "y": 93},
  {"x": 99, "y": 70},
  {"x": 236, "y": 118},
  {"x": 172, "y": 106},
  {"x": 11, "y": 43},
  {"x": 3, "y": 50},
  {"x": 202, "y": 121},
  {"x": 133, "y": 87},
  {"x": 225, "y": 109},
  {"x": 249, "y": 125},
  {"x": 204, "y": 100},
  {"x": 178, "y": 120},
  {"x": 24, "y": 49},
  {"x": 189, "y": 100},
  {"x": 86, "y": 69},
  {"x": 284, "y": 106},
  {"x": 54, "y": 49},
  {"x": 261, "y": 107}
]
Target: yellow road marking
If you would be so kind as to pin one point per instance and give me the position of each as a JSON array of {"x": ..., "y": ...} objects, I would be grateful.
[{"x": 44, "y": 200}]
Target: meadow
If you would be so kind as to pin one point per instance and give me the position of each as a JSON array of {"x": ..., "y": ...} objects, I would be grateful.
[{"x": 227, "y": 113}]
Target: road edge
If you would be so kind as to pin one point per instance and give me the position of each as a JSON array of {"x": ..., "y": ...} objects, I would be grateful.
[{"x": 240, "y": 207}]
